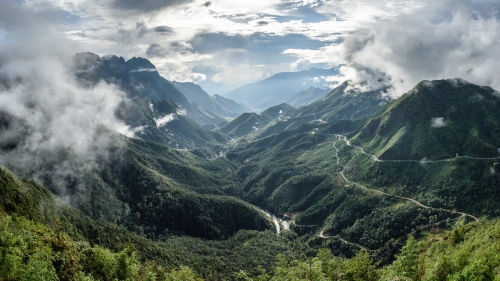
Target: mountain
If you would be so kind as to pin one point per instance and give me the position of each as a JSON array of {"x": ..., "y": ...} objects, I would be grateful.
[
  {"x": 164, "y": 122},
  {"x": 435, "y": 120},
  {"x": 216, "y": 104},
  {"x": 347, "y": 101},
  {"x": 230, "y": 105},
  {"x": 140, "y": 80},
  {"x": 278, "y": 88},
  {"x": 307, "y": 96},
  {"x": 250, "y": 122},
  {"x": 244, "y": 124}
]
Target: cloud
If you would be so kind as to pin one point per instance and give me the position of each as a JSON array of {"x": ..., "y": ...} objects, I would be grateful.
[
  {"x": 378, "y": 41},
  {"x": 160, "y": 122},
  {"x": 155, "y": 50},
  {"x": 163, "y": 29},
  {"x": 147, "y": 5},
  {"x": 197, "y": 77},
  {"x": 447, "y": 39},
  {"x": 54, "y": 129},
  {"x": 438, "y": 122}
]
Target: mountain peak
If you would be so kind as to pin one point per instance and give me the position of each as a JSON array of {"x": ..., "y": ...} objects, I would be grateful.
[
  {"x": 140, "y": 64},
  {"x": 436, "y": 119}
]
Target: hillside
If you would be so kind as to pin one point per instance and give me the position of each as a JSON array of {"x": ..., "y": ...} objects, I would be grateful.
[
  {"x": 278, "y": 88},
  {"x": 436, "y": 120},
  {"x": 139, "y": 79},
  {"x": 216, "y": 104},
  {"x": 164, "y": 122},
  {"x": 54, "y": 242},
  {"x": 42, "y": 237},
  {"x": 307, "y": 96},
  {"x": 249, "y": 123},
  {"x": 231, "y": 105},
  {"x": 347, "y": 101}
]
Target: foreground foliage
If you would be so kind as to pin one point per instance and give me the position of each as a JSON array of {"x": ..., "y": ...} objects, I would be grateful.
[{"x": 467, "y": 252}]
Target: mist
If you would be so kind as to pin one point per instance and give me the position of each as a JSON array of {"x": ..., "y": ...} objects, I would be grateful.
[
  {"x": 446, "y": 39},
  {"x": 53, "y": 128}
]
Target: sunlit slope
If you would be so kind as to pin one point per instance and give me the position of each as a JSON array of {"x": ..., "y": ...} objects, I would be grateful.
[
  {"x": 436, "y": 120},
  {"x": 347, "y": 101},
  {"x": 298, "y": 172}
]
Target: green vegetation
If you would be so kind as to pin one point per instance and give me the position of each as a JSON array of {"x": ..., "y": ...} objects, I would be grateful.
[
  {"x": 179, "y": 132},
  {"x": 435, "y": 120},
  {"x": 467, "y": 252},
  {"x": 31, "y": 251},
  {"x": 147, "y": 210},
  {"x": 36, "y": 212},
  {"x": 139, "y": 79}
]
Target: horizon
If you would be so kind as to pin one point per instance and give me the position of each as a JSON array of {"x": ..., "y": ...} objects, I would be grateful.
[{"x": 221, "y": 45}]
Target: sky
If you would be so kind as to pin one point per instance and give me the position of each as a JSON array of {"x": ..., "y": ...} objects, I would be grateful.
[{"x": 223, "y": 44}]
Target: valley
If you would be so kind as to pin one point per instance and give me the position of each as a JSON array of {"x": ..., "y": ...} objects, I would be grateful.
[{"x": 184, "y": 190}]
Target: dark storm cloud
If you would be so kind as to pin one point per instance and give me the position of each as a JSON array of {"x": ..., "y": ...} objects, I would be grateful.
[
  {"x": 262, "y": 23},
  {"x": 147, "y": 5},
  {"x": 207, "y": 4},
  {"x": 163, "y": 29},
  {"x": 14, "y": 17},
  {"x": 130, "y": 35}
]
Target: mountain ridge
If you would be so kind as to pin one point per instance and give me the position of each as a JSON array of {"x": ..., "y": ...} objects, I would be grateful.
[{"x": 278, "y": 88}]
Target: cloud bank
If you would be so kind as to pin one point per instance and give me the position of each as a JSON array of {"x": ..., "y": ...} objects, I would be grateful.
[
  {"x": 446, "y": 39},
  {"x": 52, "y": 128}
]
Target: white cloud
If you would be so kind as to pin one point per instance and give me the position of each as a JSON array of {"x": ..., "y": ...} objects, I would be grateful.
[
  {"x": 438, "y": 122},
  {"x": 160, "y": 122},
  {"x": 432, "y": 44},
  {"x": 401, "y": 41}
]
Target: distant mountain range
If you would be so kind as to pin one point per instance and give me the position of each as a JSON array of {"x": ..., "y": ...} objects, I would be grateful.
[
  {"x": 347, "y": 101},
  {"x": 216, "y": 104},
  {"x": 279, "y": 88},
  {"x": 251, "y": 122}
]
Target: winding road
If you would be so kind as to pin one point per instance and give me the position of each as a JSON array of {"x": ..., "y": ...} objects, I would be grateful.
[{"x": 375, "y": 158}]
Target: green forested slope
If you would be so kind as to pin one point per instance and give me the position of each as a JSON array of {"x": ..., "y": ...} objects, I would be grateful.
[
  {"x": 436, "y": 120},
  {"x": 467, "y": 252},
  {"x": 41, "y": 233},
  {"x": 164, "y": 122}
]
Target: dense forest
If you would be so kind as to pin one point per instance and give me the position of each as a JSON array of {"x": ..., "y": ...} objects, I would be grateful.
[{"x": 294, "y": 196}]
